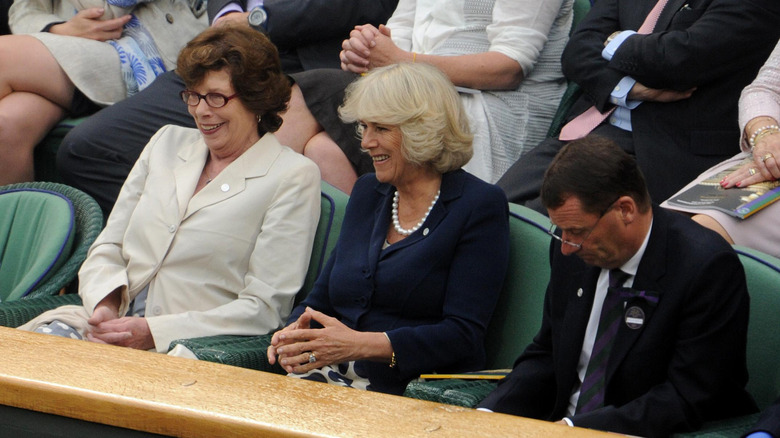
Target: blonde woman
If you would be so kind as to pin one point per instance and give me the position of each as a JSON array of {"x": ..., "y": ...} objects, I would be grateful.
[{"x": 412, "y": 286}]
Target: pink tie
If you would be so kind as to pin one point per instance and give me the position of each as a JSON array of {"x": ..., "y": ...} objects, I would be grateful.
[{"x": 581, "y": 125}]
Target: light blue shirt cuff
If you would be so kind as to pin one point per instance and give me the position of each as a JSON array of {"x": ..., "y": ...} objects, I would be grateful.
[
  {"x": 759, "y": 435},
  {"x": 230, "y": 7},
  {"x": 611, "y": 48},
  {"x": 619, "y": 95}
]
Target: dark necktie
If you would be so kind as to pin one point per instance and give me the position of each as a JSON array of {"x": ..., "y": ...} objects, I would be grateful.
[
  {"x": 581, "y": 125},
  {"x": 592, "y": 389}
]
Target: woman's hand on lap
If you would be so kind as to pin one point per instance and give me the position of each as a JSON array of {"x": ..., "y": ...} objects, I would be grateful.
[{"x": 87, "y": 24}]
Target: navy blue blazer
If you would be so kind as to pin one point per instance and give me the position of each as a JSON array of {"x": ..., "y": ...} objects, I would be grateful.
[
  {"x": 685, "y": 365},
  {"x": 433, "y": 292}
]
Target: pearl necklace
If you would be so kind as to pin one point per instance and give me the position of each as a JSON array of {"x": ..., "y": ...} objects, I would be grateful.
[{"x": 397, "y": 224}]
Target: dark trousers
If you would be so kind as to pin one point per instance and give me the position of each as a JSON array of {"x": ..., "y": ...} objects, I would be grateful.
[
  {"x": 523, "y": 181},
  {"x": 4, "y": 6},
  {"x": 97, "y": 155}
]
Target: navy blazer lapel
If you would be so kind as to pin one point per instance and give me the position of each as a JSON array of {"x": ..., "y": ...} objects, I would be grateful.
[
  {"x": 651, "y": 268},
  {"x": 575, "y": 323},
  {"x": 451, "y": 188},
  {"x": 382, "y": 214}
]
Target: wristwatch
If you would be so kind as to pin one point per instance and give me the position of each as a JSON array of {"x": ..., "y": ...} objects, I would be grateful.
[{"x": 257, "y": 18}]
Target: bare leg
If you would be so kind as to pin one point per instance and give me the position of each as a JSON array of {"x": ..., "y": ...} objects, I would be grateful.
[
  {"x": 301, "y": 132},
  {"x": 335, "y": 167},
  {"x": 33, "y": 94},
  {"x": 299, "y": 124},
  {"x": 709, "y": 222},
  {"x": 30, "y": 118}
]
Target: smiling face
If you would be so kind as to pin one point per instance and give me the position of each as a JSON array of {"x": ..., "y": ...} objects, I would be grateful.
[
  {"x": 229, "y": 130},
  {"x": 383, "y": 143}
]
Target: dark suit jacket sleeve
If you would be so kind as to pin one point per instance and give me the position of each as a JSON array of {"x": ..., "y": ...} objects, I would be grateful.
[
  {"x": 318, "y": 297},
  {"x": 293, "y": 23},
  {"x": 214, "y": 6},
  {"x": 770, "y": 420},
  {"x": 700, "y": 383},
  {"x": 529, "y": 390},
  {"x": 707, "y": 40}
]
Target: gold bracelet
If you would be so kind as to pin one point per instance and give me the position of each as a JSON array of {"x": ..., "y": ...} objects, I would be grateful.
[
  {"x": 762, "y": 132},
  {"x": 414, "y": 57},
  {"x": 392, "y": 355},
  {"x": 766, "y": 133}
]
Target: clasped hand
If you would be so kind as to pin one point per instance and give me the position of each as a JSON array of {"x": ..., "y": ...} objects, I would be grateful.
[
  {"x": 333, "y": 343},
  {"x": 369, "y": 47},
  {"x": 128, "y": 331}
]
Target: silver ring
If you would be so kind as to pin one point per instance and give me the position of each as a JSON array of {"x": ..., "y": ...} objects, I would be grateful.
[
  {"x": 312, "y": 357},
  {"x": 752, "y": 171}
]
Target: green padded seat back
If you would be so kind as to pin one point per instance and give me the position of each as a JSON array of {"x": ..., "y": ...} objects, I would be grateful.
[
  {"x": 763, "y": 344},
  {"x": 334, "y": 202},
  {"x": 518, "y": 314},
  {"x": 36, "y": 237},
  {"x": 580, "y": 8}
]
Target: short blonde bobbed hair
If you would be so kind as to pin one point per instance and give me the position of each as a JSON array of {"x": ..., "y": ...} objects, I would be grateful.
[{"x": 423, "y": 103}]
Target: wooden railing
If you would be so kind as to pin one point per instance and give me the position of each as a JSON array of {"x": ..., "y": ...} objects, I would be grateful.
[{"x": 180, "y": 397}]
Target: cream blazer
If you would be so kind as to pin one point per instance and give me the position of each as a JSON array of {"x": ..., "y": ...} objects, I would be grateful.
[
  {"x": 228, "y": 260},
  {"x": 93, "y": 66}
]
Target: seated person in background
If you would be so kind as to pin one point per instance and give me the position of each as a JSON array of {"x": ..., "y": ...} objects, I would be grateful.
[
  {"x": 72, "y": 63},
  {"x": 411, "y": 287},
  {"x": 213, "y": 229},
  {"x": 506, "y": 51},
  {"x": 97, "y": 155},
  {"x": 759, "y": 113},
  {"x": 644, "y": 330},
  {"x": 673, "y": 84}
]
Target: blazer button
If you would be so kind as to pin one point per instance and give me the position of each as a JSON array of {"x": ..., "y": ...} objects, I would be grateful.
[
  {"x": 172, "y": 228},
  {"x": 157, "y": 310},
  {"x": 169, "y": 18}
]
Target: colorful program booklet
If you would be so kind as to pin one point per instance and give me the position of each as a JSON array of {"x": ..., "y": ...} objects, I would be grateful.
[{"x": 737, "y": 202}]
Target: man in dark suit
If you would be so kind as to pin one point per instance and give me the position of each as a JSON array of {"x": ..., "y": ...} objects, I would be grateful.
[
  {"x": 675, "y": 356},
  {"x": 675, "y": 88},
  {"x": 97, "y": 155}
]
